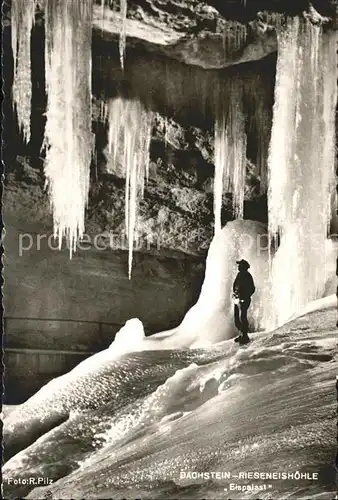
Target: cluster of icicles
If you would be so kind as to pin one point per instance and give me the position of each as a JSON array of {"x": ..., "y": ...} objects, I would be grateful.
[
  {"x": 234, "y": 36},
  {"x": 68, "y": 136},
  {"x": 302, "y": 136},
  {"x": 230, "y": 150},
  {"x": 129, "y": 136},
  {"x": 302, "y": 163}
]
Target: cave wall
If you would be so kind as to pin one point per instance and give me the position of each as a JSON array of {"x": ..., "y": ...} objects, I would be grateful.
[
  {"x": 42, "y": 283},
  {"x": 27, "y": 370}
]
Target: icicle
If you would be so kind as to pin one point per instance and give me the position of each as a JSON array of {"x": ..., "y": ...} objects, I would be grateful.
[
  {"x": 130, "y": 129},
  {"x": 243, "y": 35},
  {"x": 232, "y": 37},
  {"x": 220, "y": 164},
  {"x": 238, "y": 37},
  {"x": 257, "y": 94},
  {"x": 122, "y": 42},
  {"x": 22, "y": 19},
  {"x": 301, "y": 164},
  {"x": 68, "y": 136},
  {"x": 132, "y": 208},
  {"x": 224, "y": 42},
  {"x": 230, "y": 152},
  {"x": 146, "y": 134}
]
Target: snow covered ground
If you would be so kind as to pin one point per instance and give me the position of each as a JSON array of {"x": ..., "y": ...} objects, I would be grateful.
[{"x": 143, "y": 424}]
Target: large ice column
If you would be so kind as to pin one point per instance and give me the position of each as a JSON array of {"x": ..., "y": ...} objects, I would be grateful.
[
  {"x": 301, "y": 164},
  {"x": 230, "y": 150},
  {"x": 22, "y": 19},
  {"x": 68, "y": 135},
  {"x": 130, "y": 129},
  {"x": 212, "y": 319},
  {"x": 123, "y": 25}
]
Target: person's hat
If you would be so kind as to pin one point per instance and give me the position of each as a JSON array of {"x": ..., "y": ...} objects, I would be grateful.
[{"x": 243, "y": 263}]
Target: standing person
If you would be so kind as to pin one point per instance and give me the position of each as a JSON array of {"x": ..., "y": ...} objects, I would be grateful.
[{"x": 243, "y": 289}]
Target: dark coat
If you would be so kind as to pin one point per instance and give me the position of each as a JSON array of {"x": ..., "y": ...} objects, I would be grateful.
[{"x": 244, "y": 285}]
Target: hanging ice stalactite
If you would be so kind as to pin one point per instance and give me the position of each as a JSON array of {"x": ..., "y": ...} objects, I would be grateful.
[
  {"x": 264, "y": 133},
  {"x": 238, "y": 144},
  {"x": 68, "y": 136},
  {"x": 230, "y": 150},
  {"x": 103, "y": 113},
  {"x": 130, "y": 129},
  {"x": 240, "y": 36},
  {"x": 123, "y": 27},
  {"x": 233, "y": 38},
  {"x": 258, "y": 91},
  {"x": 226, "y": 39},
  {"x": 22, "y": 19},
  {"x": 244, "y": 33},
  {"x": 301, "y": 164},
  {"x": 263, "y": 124},
  {"x": 123, "y": 31},
  {"x": 221, "y": 145},
  {"x": 276, "y": 19}
]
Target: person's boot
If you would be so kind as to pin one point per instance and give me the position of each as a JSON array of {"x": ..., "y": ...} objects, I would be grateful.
[
  {"x": 244, "y": 339},
  {"x": 238, "y": 339}
]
